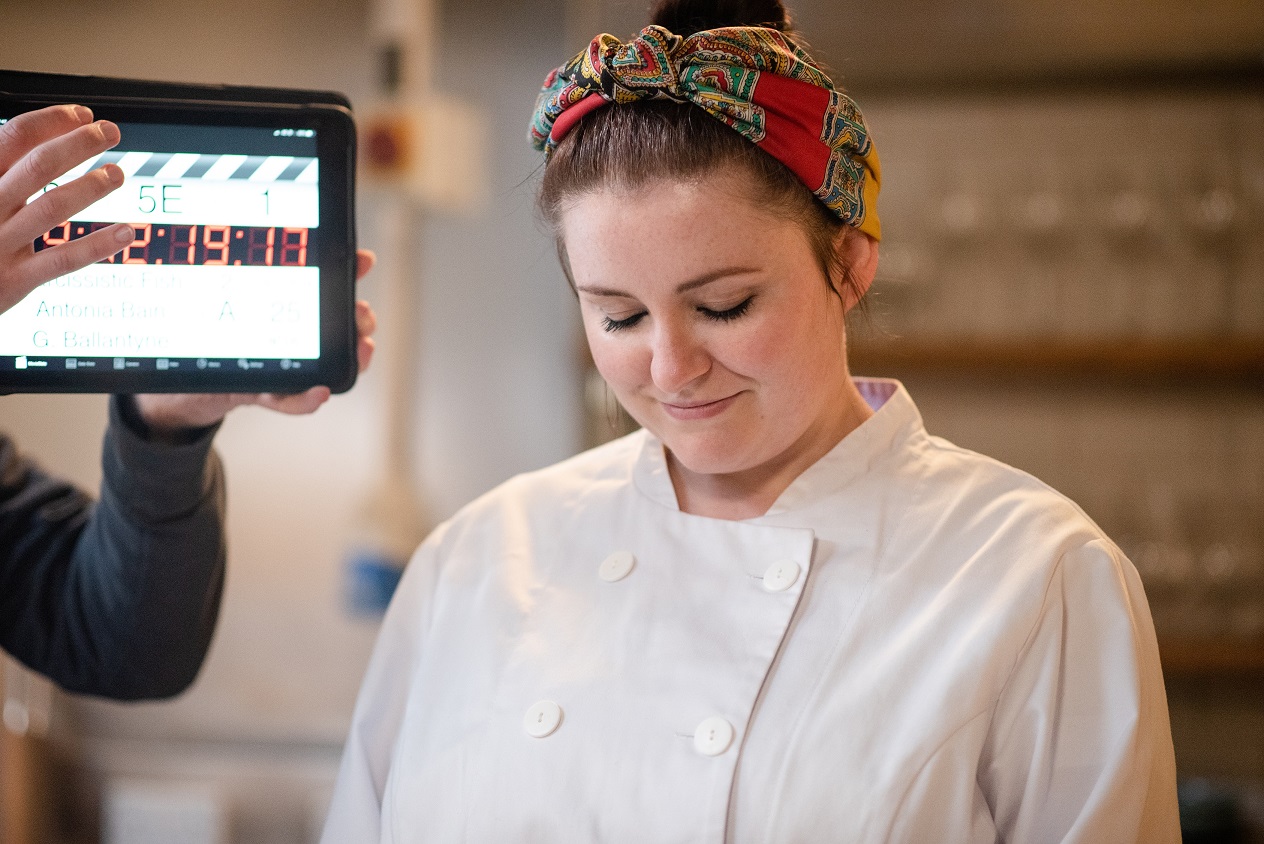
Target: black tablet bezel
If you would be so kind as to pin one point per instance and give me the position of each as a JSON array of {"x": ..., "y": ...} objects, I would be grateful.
[
  {"x": 335, "y": 136},
  {"x": 68, "y": 87}
]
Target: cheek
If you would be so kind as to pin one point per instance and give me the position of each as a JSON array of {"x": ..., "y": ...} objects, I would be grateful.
[
  {"x": 621, "y": 364},
  {"x": 758, "y": 351},
  {"x": 789, "y": 353}
]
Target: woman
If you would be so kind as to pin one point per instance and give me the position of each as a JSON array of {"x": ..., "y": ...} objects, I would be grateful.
[{"x": 781, "y": 611}]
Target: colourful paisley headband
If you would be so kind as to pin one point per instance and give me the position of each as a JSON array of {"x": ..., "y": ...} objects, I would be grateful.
[{"x": 750, "y": 78}]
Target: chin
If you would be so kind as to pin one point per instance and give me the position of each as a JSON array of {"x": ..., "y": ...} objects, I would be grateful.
[
  {"x": 708, "y": 455},
  {"x": 717, "y": 449}
]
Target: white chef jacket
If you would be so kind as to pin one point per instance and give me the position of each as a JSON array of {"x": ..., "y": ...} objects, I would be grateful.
[{"x": 915, "y": 644}]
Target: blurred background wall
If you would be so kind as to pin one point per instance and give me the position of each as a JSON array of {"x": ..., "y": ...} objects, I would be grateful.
[{"x": 1073, "y": 281}]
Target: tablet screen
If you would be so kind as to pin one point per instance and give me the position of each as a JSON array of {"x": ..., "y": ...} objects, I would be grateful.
[
  {"x": 224, "y": 271},
  {"x": 233, "y": 280}
]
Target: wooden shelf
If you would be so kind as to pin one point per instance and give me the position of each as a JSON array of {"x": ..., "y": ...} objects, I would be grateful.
[
  {"x": 1211, "y": 657},
  {"x": 1229, "y": 360}
]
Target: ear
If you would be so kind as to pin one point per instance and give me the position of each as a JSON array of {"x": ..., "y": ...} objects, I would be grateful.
[{"x": 859, "y": 254}]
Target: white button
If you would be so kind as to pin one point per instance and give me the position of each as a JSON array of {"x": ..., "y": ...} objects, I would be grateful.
[
  {"x": 781, "y": 576},
  {"x": 542, "y": 718},
  {"x": 713, "y": 736},
  {"x": 616, "y": 566}
]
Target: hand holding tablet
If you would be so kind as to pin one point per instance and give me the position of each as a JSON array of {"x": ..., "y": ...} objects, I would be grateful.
[
  {"x": 170, "y": 412},
  {"x": 240, "y": 277}
]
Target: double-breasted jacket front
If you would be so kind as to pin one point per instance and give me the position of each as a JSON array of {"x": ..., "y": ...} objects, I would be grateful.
[{"x": 915, "y": 643}]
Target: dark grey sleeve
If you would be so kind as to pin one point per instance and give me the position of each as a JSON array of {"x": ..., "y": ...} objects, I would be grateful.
[{"x": 118, "y": 598}]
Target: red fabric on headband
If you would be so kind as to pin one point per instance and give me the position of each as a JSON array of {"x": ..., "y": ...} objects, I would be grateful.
[
  {"x": 567, "y": 119},
  {"x": 795, "y": 111}
]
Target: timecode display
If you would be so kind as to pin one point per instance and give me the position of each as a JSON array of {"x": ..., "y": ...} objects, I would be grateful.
[{"x": 198, "y": 245}]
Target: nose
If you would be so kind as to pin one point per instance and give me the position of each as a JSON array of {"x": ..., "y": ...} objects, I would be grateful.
[{"x": 679, "y": 358}]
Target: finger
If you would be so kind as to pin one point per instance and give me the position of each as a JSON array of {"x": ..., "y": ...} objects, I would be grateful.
[
  {"x": 53, "y": 159},
  {"x": 64, "y": 258},
  {"x": 364, "y": 262},
  {"x": 366, "y": 319},
  {"x": 27, "y": 131},
  {"x": 296, "y": 404},
  {"x": 172, "y": 412},
  {"x": 364, "y": 352},
  {"x": 366, "y": 324},
  {"x": 60, "y": 204}
]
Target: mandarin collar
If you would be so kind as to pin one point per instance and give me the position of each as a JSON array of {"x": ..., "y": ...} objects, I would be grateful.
[{"x": 894, "y": 419}]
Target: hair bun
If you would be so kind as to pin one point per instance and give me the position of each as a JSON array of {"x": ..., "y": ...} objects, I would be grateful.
[{"x": 685, "y": 17}]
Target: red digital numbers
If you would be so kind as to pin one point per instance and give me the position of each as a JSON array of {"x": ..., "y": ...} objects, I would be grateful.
[
  {"x": 294, "y": 247},
  {"x": 144, "y": 232},
  {"x": 266, "y": 248},
  {"x": 183, "y": 246},
  {"x": 215, "y": 239},
  {"x": 63, "y": 234}
]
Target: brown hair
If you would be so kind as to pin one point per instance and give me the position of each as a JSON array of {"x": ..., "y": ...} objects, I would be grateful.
[{"x": 631, "y": 145}]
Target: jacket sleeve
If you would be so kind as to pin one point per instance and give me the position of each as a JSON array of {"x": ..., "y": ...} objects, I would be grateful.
[
  {"x": 1080, "y": 748},
  {"x": 355, "y": 812},
  {"x": 118, "y": 598}
]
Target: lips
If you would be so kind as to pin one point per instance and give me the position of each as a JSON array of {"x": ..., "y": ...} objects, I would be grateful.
[{"x": 698, "y": 410}]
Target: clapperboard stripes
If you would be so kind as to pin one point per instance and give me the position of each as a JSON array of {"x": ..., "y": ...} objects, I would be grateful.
[{"x": 217, "y": 168}]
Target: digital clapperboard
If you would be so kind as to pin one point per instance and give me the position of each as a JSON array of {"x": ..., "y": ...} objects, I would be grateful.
[{"x": 241, "y": 276}]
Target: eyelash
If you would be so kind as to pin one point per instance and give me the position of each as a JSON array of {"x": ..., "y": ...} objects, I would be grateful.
[
  {"x": 619, "y": 324},
  {"x": 735, "y": 312}
]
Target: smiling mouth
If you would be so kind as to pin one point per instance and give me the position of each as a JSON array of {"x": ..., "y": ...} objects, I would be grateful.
[{"x": 698, "y": 410}]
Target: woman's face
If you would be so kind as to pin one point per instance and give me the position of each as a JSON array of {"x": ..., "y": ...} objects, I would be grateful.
[{"x": 711, "y": 320}]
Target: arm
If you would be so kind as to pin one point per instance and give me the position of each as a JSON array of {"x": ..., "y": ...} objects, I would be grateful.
[
  {"x": 118, "y": 599},
  {"x": 1080, "y": 749}
]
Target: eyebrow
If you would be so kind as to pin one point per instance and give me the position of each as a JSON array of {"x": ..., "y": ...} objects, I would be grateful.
[{"x": 683, "y": 287}]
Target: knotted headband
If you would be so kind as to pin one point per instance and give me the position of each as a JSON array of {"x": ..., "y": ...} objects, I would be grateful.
[{"x": 754, "y": 80}]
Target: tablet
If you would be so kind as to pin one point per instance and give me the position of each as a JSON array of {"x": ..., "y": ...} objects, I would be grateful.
[{"x": 242, "y": 274}]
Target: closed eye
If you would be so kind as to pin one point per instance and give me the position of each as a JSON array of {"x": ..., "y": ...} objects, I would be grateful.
[
  {"x": 729, "y": 314},
  {"x": 610, "y": 324}
]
